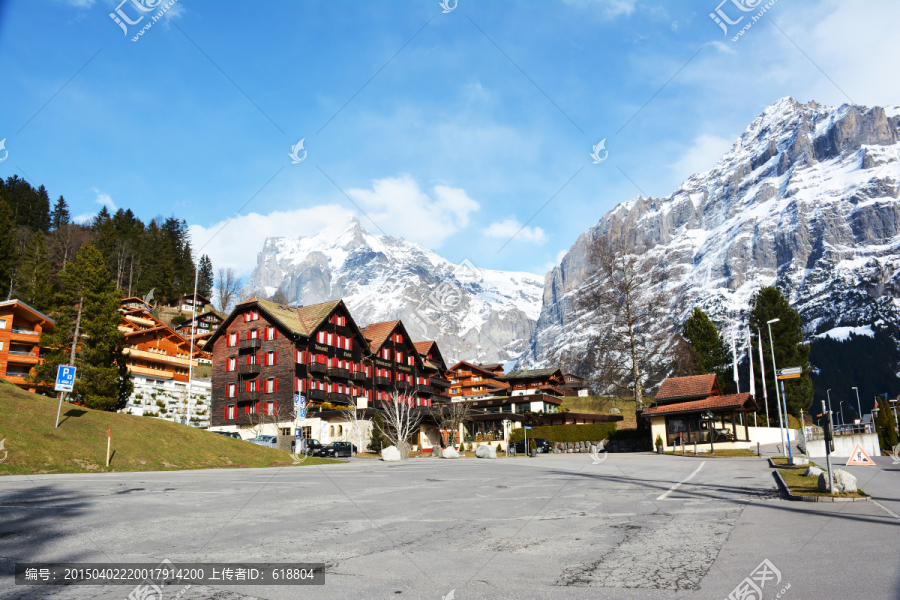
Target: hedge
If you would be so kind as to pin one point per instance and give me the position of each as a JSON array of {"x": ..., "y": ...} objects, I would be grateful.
[{"x": 594, "y": 432}]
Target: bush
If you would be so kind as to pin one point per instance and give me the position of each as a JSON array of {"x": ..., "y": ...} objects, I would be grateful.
[
  {"x": 499, "y": 449},
  {"x": 532, "y": 445},
  {"x": 567, "y": 433},
  {"x": 160, "y": 403},
  {"x": 659, "y": 441}
]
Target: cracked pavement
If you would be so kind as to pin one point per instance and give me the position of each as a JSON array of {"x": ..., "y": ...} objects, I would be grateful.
[{"x": 556, "y": 526}]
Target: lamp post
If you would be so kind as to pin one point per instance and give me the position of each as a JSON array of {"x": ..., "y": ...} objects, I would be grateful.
[
  {"x": 712, "y": 432},
  {"x": 875, "y": 410},
  {"x": 841, "y": 409},
  {"x": 506, "y": 424},
  {"x": 858, "y": 406},
  {"x": 781, "y": 424}
]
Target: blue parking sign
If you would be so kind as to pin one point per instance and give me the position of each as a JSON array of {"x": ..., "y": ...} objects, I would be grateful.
[{"x": 65, "y": 378}]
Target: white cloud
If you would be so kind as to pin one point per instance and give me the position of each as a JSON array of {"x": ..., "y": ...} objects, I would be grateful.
[
  {"x": 701, "y": 156},
  {"x": 722, "y": 47},
  {"x": 105, "y": 200},
  {"x": 560, "y": 255},
  {"x": 400, "y": 208},
  {"x": 511, "y": 227},
  {"x": 395, "y": 204},
  {"x": 238, "y": 243}
]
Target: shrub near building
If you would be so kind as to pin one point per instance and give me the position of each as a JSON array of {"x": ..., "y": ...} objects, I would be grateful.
[{"x": 567, "y": 433}]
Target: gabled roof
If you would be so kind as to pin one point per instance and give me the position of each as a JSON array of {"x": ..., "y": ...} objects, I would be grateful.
[
  {"x": 377, "y": 333},
  {"x": 713, "y": 403},
  {"x": 424, "y": 348},
  {"x": 303, "y": 320},
  {"x": 491, "y": 366},
  {"x": 694, "y": 386},
  {"x": 531, "y": 373},
  {"x": 32, "y": 310},
  {"x": 473, "y": 367},
  {"x": 431, "y": 347}
]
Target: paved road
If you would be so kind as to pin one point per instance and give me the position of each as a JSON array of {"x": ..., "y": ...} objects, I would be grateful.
[{"x": 556, "y": 526}]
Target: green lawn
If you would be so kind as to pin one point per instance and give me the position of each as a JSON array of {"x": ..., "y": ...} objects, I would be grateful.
[
  {"x": 732, "y": 453},
  {"x": 32, "y": 444},
  {"x": 598, "y": 405},
  {"x": 801, "y": 485}
]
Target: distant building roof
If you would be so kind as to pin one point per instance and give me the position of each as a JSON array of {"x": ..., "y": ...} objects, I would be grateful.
[
  {"x": 694, "y": 386},
  {"x": 530, "y": 373},
  {"x": 377, "y": 333},
  {"x": 34, "y": 310}
]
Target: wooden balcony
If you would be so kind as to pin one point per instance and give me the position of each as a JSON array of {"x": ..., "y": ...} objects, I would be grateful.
[
  {"x": 161, "y": 373},
  {"x": 439, "y": 383},
  {"x": 316, "y": 394},
  {"x": 23, "y": 358},
  {"x": 316, "y": 368},
  {"x": 248, "y": 369},
  {"x": 424, "y": 389},
  {"x": 250, "y": 344},
  {"x": 338, "y": 372},
  {"x": 403, "y": 385},
  {"x": 158, "y": 357},
  {"x": 383, "y": 381},
  {"x": 339, "y": 398},
  {"x": 244, "y": 395},
  {"x": 359, "y": 376}
]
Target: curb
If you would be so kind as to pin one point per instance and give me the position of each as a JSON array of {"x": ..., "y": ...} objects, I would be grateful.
[
  {"x": 787, "y": 492},
  {"x": 774, "y": 466}
]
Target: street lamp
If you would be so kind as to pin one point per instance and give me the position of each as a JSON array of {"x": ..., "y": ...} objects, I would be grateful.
[
  {"x": 712, "y": 432},
  {"x": 775, "y": 375},
  {"x": 841, "y": 408},
  {"x": 858, "y": 405},
  {"x": 893, "y": 402}
]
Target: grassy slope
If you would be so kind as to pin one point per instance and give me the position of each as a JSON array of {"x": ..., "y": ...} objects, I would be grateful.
[
  {"x": 598, "y": 405},
  {"x": 138, "y": 443}
]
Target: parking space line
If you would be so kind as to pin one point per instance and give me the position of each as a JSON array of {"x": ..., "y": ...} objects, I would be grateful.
[{"x": 678, "y": 485}]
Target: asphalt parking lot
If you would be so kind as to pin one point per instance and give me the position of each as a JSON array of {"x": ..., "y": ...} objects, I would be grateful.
[{"x": 556, "y": 526}]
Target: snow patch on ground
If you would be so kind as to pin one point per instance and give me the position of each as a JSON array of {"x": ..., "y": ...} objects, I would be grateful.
[{"x": 842, "y": 334}]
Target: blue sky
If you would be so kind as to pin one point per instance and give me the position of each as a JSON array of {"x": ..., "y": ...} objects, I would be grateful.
[{"x": 450, "y": 129}]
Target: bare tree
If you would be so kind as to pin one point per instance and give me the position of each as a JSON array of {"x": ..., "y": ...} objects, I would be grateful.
[
  {"x": 625, "y": 302},
  {"x": 450, "y": 416},
  {"x": 401, "y": 420},
  {"x": 356, "y": 427},
  {"x": 228, "y": 286},
  {"x": 279, "y": 297}
]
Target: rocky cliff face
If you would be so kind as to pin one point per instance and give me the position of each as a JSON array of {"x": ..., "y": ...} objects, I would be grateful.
[
  {"x": 474, "y": 314},
  {"x": 806, "y": 200}
]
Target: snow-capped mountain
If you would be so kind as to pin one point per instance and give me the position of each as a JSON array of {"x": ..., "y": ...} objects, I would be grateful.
[
  {"x": 474, "y": 314},
  {"x": 805, "y": 199}
]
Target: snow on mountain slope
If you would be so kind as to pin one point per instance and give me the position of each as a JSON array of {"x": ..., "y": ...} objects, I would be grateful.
[
  {"x": 806, "y": 199},
  {"x": 474, "y": 314}
]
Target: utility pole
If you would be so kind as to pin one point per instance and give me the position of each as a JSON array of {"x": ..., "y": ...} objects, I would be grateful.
[
  {"x": 858, "y": 405},
  {"x": 187, "y": 410},
  {"x": 71, "y": 353},
  {"x": 829, "y": 440},
  {"x": 775, "y": 375}
]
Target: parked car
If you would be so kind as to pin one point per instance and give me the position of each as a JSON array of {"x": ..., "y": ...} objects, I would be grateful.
[
  {"x": 336, "y": 450},
  {"x": 543, "y": 446},
  {"x": 231, "y": 434},
  {"x": 269, "y": 441},
  {"x": 307, "y": 446}
]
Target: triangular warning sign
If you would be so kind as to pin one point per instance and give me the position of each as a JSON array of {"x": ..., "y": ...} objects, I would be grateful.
[{"x": 859, "y": 457}]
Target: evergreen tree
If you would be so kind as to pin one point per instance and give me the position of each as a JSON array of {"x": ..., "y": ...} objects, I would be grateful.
[
  {"x": 60, "y": 215},
  {"x": 378, "y": 440},
  {"x": 8, "y": 256},
  {"x": 886, "y": 425},
  {"x": 790, "y": 351},
  {"x": 206, "y": 277},
  {"x": 710, "y": 349},
  {"x": 35, "y": 288},
  {"x": 90, "y": 305}
]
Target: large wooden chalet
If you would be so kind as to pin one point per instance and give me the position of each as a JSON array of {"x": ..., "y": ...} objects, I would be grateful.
[
  {"x": 201, "y": 327},
  {"x": 469, "y": 381},
  {"x": 20, "y": 335},
  {"x": 535, "y": 381},
  {"x": 266, "y": 352}
]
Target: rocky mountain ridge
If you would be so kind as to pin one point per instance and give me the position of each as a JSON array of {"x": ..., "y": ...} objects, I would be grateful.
[{"x": 806, "y": 199}]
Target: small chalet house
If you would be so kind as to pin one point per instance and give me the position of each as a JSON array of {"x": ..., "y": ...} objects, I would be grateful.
[
  {"x": 469, "y": 381},
  {"x": 535, "y": 381},
  {"x": 201, "y": 327},
  {"x": 20, "y": 335},
  {"x": 266, "y": 352},
  {"x": 190, "y": 302},
  {"x": 397, "y": 365},
  {"x": 679, "y": 409}
]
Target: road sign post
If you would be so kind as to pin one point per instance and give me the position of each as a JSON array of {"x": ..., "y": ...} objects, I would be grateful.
[
  {"x": 65, "y": 382},
  {"x": 527, "y": 449}
]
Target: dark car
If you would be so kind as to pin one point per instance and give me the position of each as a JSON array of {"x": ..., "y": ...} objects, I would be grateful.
[
  {"x": 230, "y": 434},
  {"x": 543, "y": 446},
  {"x": 336, "y": 450},
  {"x": 308, "y": 446}
]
